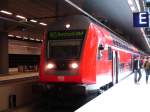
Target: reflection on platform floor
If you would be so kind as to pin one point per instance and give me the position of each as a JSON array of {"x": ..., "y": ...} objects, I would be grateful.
[{"x": 123, "y": 97}]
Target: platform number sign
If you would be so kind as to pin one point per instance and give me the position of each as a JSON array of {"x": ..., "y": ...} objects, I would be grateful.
[{"x": 141, "y": 19}]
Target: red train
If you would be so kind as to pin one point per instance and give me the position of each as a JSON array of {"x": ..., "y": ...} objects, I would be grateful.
[{"x": 77, "y": 51}]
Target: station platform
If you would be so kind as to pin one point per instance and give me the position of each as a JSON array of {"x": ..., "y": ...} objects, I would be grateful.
[
  {"x": 17, "y": 76},
  {"x": 16, "y": 90},
  {"x": 126, "y": 96}
]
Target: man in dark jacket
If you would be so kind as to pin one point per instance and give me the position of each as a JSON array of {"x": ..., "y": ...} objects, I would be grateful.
[{"x": 137, "y": 65}]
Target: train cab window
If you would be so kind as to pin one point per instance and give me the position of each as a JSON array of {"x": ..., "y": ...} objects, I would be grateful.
[
  {"x": 109, "y": 53},
  {"x": 62, "y": 49}
]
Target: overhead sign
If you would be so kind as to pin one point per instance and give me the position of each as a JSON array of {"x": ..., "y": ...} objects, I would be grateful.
[{"x": 141, "y": 19}]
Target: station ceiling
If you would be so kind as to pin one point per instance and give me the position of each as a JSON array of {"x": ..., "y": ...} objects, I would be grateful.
[{"x": 116, "y": 14}]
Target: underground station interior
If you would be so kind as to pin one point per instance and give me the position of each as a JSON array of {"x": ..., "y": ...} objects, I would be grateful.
[{"x": 58, "y": 55}]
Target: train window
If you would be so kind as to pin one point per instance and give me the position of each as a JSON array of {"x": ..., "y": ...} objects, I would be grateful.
[
  {"x": 109, "y": 53},
  {"x": 100, "y": 49},
  {"x": 63, "y": 49}
]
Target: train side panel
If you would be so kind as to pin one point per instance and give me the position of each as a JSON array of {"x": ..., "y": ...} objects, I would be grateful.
[{"x": 103, "y": 64}]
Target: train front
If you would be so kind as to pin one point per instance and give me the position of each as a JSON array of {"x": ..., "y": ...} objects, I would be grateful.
[{"x": 61, "y": 51}]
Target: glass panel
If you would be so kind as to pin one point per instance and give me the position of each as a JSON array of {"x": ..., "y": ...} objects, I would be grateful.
[{"x": 63, "y": 49}]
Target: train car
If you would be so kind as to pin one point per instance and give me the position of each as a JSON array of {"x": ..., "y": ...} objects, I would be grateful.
[{"x": 79, "y": 52}]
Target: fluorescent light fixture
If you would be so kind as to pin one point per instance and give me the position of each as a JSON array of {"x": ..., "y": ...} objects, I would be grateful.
[
  {"x": 6, "y": 12},
  {"x": 37, "y": 39},
  {"x": 34, "y": 21},
  {"x": 21, "y": 17},
  {"x": 25, "y": 38},
  {"x": 138, "y": 5},
  {"x": 130, "y": 2},
  {"x": 18, "y": 37},
  {"x": 131, "y": 5},
  {"x": 11, "y": 35},
  {"x": 44, "y": 24},
  {"x": 31, "y": 38}
]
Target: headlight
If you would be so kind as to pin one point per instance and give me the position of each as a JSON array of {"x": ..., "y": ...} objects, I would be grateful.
[
  {"x": 50, "y": 66},
  {"x": 74, "y": 65}
]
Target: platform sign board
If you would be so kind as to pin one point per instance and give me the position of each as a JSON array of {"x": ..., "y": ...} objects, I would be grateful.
[{"x": 141, "y": 19}]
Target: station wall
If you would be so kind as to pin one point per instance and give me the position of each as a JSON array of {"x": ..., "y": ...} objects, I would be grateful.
[{"x": 23, "y": 47}]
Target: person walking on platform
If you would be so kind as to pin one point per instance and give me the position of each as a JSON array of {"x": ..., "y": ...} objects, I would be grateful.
[
  {"x": 147, "y": 68},
  {"x": 137, "y": 65}
]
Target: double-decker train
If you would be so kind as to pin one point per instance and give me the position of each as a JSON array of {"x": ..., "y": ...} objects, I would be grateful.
[{"x": 78, "y": 52}]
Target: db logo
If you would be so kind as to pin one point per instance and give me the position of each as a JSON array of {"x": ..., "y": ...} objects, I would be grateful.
[{"x": 60, "y": 78}]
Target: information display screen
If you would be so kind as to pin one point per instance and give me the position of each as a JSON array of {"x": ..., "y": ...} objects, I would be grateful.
[{"x": 59, "y": 35}]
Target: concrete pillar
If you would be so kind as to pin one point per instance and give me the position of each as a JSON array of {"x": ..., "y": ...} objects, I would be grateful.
[{"x": 3, "y": 53}]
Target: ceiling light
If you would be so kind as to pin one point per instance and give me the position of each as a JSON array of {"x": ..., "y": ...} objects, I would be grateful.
[
  {"x": 6, "y": 12},
  {"x": 11, "y": 35},
  {"x": 21, "y": 17},
  {"x": 25, "y": 38},
  {"x": 44, "y": 24},
  {"x": 37, "y": 39},
  {"x": 31, "y": 38},
  {"x": 67, "y": 26},
  {"x": 130, "y": 2},
  {"x": 18, "y": 37},
  {"x": 34, "y": 21}
]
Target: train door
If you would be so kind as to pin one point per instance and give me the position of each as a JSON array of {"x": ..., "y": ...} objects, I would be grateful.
[{"x": 115, "y": 66}]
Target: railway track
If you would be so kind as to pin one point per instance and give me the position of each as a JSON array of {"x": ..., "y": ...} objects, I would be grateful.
[
  {"x": 53, "y": 101},
  {"x": 60, "y": 101}
]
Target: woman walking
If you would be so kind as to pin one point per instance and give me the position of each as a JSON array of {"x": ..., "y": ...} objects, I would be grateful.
[{"x": 147, "y": 68}]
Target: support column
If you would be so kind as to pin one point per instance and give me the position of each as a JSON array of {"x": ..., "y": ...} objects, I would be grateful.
[{"x": 3, "y": 53}]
